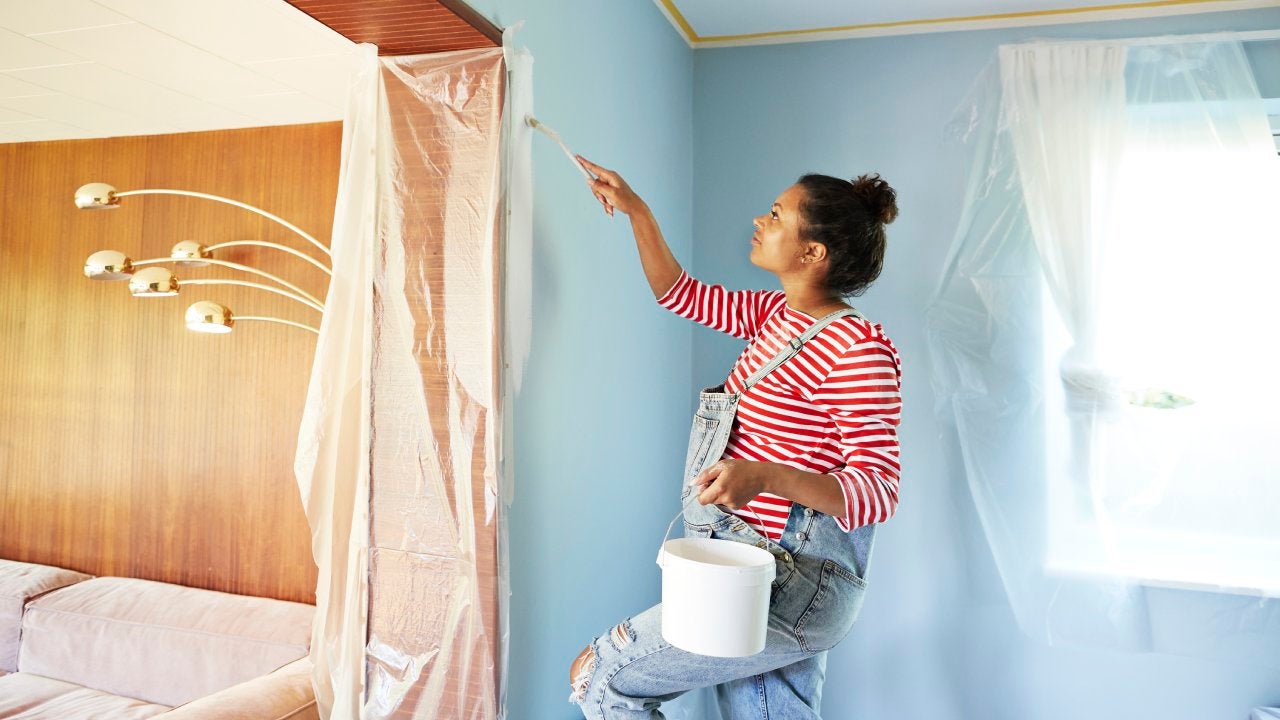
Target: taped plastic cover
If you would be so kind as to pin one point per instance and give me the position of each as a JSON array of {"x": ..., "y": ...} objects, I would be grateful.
[
  {"x": 1099, "y": 343},
  {"x": 402, "y": 453}
]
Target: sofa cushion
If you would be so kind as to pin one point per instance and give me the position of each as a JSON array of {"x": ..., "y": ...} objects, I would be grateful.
[
  {"x": 285, "y": 694},
  {"x": 19, "y": 582},
  {"x": 39, "y": 698},
  {"x": 158, "y": 642}
]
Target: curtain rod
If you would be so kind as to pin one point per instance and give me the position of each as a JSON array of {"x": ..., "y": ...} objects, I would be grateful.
[
  {"x": 1258, "y": 35},
  {"x": 1244, "y": 37}
]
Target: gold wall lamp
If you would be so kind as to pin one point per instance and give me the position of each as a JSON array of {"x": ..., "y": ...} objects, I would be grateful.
[{"x": 146, "y": 280}]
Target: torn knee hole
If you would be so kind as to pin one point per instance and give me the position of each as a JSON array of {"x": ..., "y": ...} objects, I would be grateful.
[
  {"x": 621, "y": 635},
  {"x": 584, "y": 666}
]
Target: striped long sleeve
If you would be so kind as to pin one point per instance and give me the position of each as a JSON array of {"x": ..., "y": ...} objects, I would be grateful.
[
  {"x": 862, "y": 393},
  {"x": 736, "y": 312}
]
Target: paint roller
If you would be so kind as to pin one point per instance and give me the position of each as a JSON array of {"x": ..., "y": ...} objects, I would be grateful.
[{"x": 532, "y": 122}]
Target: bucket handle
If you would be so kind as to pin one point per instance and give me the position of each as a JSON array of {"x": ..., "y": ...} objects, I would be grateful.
[{"x": 662, "y": 549}]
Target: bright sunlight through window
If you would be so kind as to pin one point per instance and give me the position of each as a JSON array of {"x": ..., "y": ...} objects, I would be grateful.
[{"x": 1180, "y": 469}]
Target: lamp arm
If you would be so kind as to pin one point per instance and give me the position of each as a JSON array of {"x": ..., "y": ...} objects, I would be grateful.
[
  {"x": 260, "y": 286},
  {"x": 237, "y": 266},
  {"x": 238, "y": 318},
  {"x": 229, "y": 201},
  {"x": 277, "y": 246}
]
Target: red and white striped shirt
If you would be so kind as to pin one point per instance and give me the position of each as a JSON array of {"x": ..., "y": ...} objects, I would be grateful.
[{"x": 832, "y": 409}]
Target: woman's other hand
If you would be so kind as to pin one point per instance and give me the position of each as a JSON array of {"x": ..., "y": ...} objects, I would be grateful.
[
  {"x": 611, "y": 190},
  {"x": 732, "y": 483}
]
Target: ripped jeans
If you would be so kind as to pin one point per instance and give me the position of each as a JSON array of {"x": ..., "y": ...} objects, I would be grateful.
[
  {"x": 632, "y": 670},
  {"x": 629, "y": 671}
]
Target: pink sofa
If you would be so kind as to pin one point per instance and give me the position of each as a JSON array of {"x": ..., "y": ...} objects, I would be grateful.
[{"x": 74, "y": 647}]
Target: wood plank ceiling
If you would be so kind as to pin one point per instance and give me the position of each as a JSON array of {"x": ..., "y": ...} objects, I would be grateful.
[{"x": 405, "y": 27}]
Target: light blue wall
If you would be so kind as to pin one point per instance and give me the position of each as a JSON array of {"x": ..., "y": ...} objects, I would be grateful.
[
  {"x": 600, "y": 425},
  {"x": 936, "y": 639}
]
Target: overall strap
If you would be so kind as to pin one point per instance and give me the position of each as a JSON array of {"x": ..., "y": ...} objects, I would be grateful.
[{"x": 793, "y": 347}]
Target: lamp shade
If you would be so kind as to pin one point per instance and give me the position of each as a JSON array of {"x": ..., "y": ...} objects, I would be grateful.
[
  {"x": 190, "y": 253},
  {"x": 153, "y": 282},
  {"x": 96, "y": 196},
  {"x": 108, "y": 265},
  {"x": 209, "y": 317}
]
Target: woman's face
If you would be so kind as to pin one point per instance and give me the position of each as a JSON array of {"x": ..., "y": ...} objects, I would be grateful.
[{"x": 776, "y": 245}]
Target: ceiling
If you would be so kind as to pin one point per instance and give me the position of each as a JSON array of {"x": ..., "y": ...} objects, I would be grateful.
[
  {"x": 100, "y": 68},
  {"x": 103, "y": 68},
  {"x": 717, "y": 23}
]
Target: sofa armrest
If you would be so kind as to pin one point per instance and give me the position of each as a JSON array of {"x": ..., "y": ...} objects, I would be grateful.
[{"x": 284, "y": 694}]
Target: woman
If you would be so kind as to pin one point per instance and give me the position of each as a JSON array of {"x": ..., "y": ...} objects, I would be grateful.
[{"x": 796, "y": 453}]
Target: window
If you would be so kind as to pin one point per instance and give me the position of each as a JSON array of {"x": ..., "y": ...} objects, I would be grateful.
[{"x": 1176, "y": 472}]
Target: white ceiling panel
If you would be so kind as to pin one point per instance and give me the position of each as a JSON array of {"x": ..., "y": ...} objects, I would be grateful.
[
  {"x": 12, "y": 87},
  {"x": 36, "y": 130},
  {"x": 18, "y": 51},
  {"x": 152, "y": 55},
  {"x": 281, "y": 109},
  {"x": 8, "y": 115},
  {"x": 125, "y": 92},
  {"x": 324, "y": 77},
  {"x": 130, "y": 67},
  {"x": 84, "y": 114},
  {"x": 242, "y": 31},
  {"x": 31, "y": 17}
]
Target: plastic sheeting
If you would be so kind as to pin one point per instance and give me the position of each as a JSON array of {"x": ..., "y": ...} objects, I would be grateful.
[
  {"x": 332, "y": 460},
  {"x": 1099, "y": 341},
  {"x": 401, "y": 453}
]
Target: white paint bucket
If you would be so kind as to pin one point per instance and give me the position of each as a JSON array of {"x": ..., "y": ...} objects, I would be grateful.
[{"x": 715, "y": 596}]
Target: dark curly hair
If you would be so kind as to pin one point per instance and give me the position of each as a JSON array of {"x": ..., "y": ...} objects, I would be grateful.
[{"x": 848, "y": 218}]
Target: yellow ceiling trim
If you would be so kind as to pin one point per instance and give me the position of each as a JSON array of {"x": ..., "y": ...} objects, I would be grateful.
[
  {"x": 695, "y": 38},
  {"x": 679, "y": 18}
]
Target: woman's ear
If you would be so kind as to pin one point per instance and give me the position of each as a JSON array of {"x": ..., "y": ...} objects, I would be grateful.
[{"x": 814, "y": 253}]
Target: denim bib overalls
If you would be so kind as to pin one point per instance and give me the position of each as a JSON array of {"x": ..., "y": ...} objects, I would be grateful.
[{"x": 816, "y": 596}]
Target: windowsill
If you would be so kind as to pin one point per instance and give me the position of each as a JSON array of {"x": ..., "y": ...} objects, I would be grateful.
[{"x": 1222, "y": 582}]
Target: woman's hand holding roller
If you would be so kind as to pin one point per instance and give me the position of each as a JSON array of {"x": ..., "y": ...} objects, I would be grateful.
[{"x": 612, "y": 191}]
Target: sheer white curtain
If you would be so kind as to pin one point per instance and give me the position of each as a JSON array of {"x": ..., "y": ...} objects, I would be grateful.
[
  {"x": 1064, "y": 106},
  {"x": 1100, "y": 339}
]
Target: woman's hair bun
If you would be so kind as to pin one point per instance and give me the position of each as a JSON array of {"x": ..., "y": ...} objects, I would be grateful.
[
  {"x": 877, "y": 197},
  {"x": 848, "y": 218}
]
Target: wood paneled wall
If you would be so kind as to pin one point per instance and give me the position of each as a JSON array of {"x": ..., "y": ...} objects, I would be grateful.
[{"x": 129, "y": 445}]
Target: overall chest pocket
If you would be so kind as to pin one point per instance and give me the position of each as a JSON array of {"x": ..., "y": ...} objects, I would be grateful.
[
  {"x": 701, "y": 436},
  {"x": 834, "y": 607}
]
